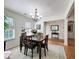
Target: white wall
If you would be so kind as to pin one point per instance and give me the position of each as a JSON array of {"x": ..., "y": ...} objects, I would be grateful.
[
  {"x": 45, "y": 27},
  {"x": 61, "y": 28},
  {"x": 66, "y": 31},
  {"x": 69, "y": 6},
  {"x": 19, "y": 22}
]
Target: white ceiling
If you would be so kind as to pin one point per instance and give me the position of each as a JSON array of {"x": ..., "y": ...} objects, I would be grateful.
[{"x": 46, "y": 8}]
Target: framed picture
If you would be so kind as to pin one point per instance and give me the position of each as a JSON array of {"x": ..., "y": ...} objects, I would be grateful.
[
  {"x": 55, "y": 27},
  {"x": 70, "y": 28},
  {"x": 38, "y": 26}
]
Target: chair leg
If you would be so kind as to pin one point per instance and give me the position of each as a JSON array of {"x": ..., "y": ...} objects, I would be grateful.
[
  {"x": 47, "y": 48},
  {"x": 45, "y": 51},
  {"x": 20, "y": 47},
  {"x": 32, "y": 53},
  {"x": 25, "y": 50},
  {"x": 37, "y": 49}
]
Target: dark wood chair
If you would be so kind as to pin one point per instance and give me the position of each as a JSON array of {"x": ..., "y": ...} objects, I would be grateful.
[
  {"x": 44, "y": 44},
  {"x": 29, "y": 44},
  {"x": 22, "y": 40}
]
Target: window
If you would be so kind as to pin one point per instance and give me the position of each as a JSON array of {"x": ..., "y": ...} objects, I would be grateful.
[
  {"x": 10, "y": 33},
  {"x": 28, "y": 27}
]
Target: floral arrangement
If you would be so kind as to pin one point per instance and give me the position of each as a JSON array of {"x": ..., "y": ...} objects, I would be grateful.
[{"x": 34, "y": 31}]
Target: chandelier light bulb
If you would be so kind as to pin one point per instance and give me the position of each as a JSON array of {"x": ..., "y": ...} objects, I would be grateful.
[
  {"x": 40, "y": 16},
  {"x": 37, "y": 14},
  {"x": 31, "y": 14}
]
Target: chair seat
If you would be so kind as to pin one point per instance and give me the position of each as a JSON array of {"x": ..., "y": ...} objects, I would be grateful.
[
  {"x": 42, "y": 44},
  {"x": 31, "y": 45}
]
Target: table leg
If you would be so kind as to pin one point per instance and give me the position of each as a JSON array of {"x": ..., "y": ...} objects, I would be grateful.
[{"x": 39, "y": 51}]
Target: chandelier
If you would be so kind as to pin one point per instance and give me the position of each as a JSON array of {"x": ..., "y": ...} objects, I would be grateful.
[{"x": 36, "y": 16}]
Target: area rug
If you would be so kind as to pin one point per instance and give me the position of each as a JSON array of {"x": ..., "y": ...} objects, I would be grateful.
[{"x": 55, "y": 52}]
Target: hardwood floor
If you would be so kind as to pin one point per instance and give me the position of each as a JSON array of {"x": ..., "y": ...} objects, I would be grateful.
[{"x": 70, "y": 49}]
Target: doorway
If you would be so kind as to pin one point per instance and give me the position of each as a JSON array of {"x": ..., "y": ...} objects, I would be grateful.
[{"x": 71, "y": 29}]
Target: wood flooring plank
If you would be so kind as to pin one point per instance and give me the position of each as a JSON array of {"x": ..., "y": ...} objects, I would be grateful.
[{"x": 70, "y": 49}]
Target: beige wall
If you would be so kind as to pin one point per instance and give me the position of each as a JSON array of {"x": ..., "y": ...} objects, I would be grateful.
[
  {"x": 61, "y": 28},
  {"x": 19, "y": 22}
]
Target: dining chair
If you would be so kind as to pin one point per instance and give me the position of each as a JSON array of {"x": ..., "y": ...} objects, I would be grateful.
[
  {"x": 22, "y": 40},
  {"x": 29, "y": 44},
  {"x": 44, "y": 44}
]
